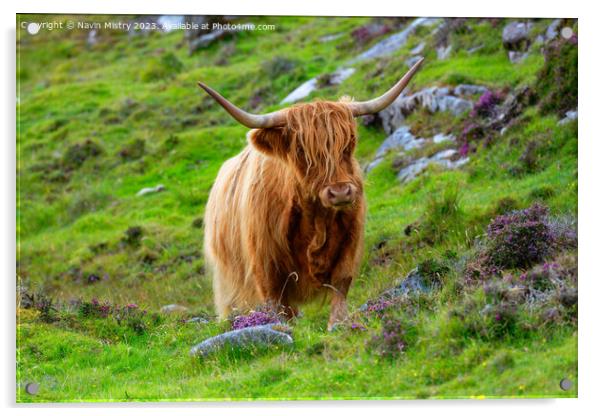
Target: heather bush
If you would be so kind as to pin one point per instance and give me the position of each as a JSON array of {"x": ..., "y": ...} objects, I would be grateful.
[
  {"x": 132, "y": 317},
  {"x": 365, "y": 34},
  {"x": 94, "y": 309},
  {"x": 520, "y": 238},
  {"x": 379, "y": 306},
  {"x": 396, "y": 336},
  {"x": 564, "y": 231},
  {"x": 485, "y": 105},
  {"x": 46, "y": 307},
  {"x": 478, "y": 267},
  {"x": 263, "y": 315},
  {"x": 557, "y": 274}
]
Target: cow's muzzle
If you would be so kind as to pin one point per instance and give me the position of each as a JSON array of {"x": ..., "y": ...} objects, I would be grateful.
[{"x": 339, "y": 195}]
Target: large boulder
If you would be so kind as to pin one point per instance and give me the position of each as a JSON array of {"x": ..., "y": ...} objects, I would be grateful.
[{"x": 254, "y": 336}]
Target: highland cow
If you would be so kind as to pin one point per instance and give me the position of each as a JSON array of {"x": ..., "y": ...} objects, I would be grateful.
[{"x": 285, "y": 218}]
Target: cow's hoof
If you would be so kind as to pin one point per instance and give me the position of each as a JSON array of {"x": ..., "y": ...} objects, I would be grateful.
[{"x": 337, "y": 326}]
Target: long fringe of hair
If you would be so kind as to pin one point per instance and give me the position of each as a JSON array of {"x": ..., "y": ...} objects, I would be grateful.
[{"x": 320, "y": 134}]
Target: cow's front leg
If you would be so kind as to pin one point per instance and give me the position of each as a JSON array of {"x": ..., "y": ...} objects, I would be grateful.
[
  {"x": 346, "y": 269},
  {"x": 338, "y": 304}
]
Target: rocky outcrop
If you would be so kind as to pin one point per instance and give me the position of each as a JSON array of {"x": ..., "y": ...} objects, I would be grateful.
[
  {"x": 445, "y": 158},
  {"x": 434, "y": 99},
  {"x": 394, "y": 42}
]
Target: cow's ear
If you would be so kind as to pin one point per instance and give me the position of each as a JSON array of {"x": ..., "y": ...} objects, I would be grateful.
[{"x": 272, "y": 141}]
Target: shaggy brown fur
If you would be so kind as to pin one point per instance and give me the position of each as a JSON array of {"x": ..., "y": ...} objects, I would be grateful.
[{"x": 268, "y": 236}]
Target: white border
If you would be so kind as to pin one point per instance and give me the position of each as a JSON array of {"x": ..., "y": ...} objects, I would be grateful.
[{"x": 590, "y": 151}]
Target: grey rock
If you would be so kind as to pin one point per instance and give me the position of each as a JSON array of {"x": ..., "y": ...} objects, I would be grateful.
[
  {"x": 205, "y": 40},
  {"x": 173, "y": 308},
  {"x": 455, "y": 105},
  {"x": 394, "y": 42},
  {"x": 517, "y": 56},
  {"x": 475, "y": 49},
  {"x": 330, "y": 38},
  {"x": 413, "y": 60},
  {"x": 440, "y": 138},
  {"x": 151, "y": 190},
  {"x": 412, "y": 170},
  {"x": 374, "y": 163},
  {"x": 92, "y": 38},
  {"x": 467, "y": 89},
  {"x": 401, "y": 139},
  {"x": 413, "y": 283},
  {"x": 552, "y": 30},
  {"x": 197, "y": 320},
  {"x": 568, "y": 117},
  {"x": 255, "y": 336},
  {"x": 515, "y": 35},
  {"x": 309, "y": 86},
  {"x": 418, "y": 49},
  {"x": 442, "y": 158},
  {"x": 443, "y": 52},
  {"x": 340, "y": 75},
  {"x": 301, "y": 91}
]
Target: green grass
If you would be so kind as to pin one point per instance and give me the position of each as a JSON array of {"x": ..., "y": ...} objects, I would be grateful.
[{"x": 71, "y": 222}]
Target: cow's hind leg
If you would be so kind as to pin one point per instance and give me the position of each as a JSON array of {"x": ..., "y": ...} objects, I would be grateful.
[{"x": 221, "y": 296}]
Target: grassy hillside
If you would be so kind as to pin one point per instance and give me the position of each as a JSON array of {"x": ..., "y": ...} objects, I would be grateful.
[{"x": 99, "y": 122}]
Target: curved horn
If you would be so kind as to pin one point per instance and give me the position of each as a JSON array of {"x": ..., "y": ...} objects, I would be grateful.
[
  {"x": 253, "y": 121},
  {"x": 374, "y": 106}
]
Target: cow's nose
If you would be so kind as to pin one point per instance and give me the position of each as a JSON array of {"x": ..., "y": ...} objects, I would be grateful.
[{"x": 340, "y": 194}]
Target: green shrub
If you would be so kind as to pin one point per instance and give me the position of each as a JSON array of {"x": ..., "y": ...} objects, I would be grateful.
[
  {"x": 442, "y": 217},
  {"x": 557, "y": 81}
]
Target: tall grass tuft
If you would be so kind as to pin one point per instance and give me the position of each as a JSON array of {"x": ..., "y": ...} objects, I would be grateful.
[{"x": 443, "y": 217}]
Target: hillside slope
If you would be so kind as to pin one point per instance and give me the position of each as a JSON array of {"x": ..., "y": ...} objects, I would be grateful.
[{"x": 100, "y": 119}]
